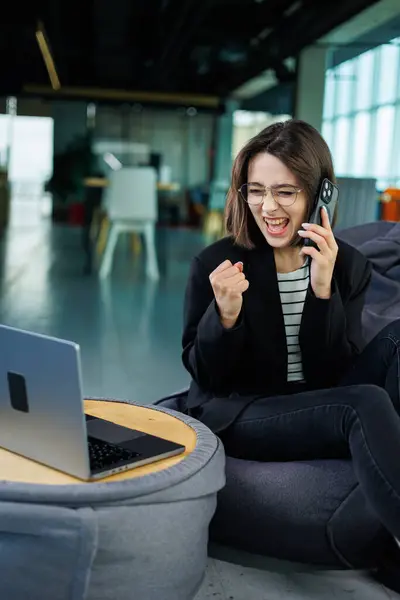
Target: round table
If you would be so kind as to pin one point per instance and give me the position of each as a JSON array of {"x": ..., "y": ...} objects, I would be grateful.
[
  {"x": 140, "y": 533},
  {"x": 14, "y": 467}
]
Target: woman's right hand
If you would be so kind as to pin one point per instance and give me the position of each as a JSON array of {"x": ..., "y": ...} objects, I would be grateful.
[{"x": 228, "y": 283}]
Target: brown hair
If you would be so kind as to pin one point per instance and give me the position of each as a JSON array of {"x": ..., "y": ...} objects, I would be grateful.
[{"x": 300, "y": 147}]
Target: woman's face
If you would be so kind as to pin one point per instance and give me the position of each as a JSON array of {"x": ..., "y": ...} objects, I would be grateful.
[{"x": 278, "y": 224}]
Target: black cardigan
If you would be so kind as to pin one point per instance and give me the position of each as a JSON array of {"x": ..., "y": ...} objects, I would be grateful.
[{"x": 251, "y": 359}]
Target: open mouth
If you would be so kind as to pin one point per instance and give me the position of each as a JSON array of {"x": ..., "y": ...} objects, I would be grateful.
[{"x": 277, "y": 226}]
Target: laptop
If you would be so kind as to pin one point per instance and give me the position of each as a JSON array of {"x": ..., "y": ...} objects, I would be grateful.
[{"x": 42, "y": 415}]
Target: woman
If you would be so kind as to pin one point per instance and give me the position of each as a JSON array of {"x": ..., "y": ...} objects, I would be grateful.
[{"x": 272, "y": 328}]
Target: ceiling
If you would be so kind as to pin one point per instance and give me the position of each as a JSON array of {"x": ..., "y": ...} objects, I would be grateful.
[{"x": 209, "y": 47}]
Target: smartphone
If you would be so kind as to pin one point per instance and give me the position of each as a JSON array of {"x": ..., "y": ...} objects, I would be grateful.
[{"x": 328, "y": 196}]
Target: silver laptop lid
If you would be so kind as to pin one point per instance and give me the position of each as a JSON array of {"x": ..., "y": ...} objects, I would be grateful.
[{"x": 41, "y": 406}]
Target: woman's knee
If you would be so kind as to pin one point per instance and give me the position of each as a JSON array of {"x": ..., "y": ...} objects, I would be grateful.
[
  {"x": 371, "y": 405},
  {"x": 367, "y": 396}
]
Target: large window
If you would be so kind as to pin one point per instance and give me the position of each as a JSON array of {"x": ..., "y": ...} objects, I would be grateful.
[{"x": 362, "y": 114}]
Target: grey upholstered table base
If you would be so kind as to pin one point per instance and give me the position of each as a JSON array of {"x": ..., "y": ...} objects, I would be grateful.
[
  {"x": 144, "y": 538},
  {"x": 312, "y": 512}
]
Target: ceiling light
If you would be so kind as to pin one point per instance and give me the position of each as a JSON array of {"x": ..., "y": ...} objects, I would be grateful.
[{"x": 47, "y": 57}]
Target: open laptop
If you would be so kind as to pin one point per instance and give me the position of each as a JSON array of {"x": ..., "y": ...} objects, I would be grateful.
[{"x": 42, "y": 416}]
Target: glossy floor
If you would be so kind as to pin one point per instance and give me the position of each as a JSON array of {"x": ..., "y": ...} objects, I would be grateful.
[{"x": 129, "y": 331}]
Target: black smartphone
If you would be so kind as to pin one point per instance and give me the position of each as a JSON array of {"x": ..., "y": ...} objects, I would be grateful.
[{"x": 328, "y": 196}]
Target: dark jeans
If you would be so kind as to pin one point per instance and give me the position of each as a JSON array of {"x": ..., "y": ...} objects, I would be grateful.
[{"x": 359, "y": 419}]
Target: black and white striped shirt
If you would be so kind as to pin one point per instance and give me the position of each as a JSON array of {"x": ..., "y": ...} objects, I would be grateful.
[{"x": 293, "y": 289}]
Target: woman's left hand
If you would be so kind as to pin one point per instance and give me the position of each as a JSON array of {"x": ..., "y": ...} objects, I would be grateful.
[{"x": 323, "y": 260}]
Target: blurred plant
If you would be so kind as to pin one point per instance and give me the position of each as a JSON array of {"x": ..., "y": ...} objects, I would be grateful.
[{"x": 70, "y": 169}]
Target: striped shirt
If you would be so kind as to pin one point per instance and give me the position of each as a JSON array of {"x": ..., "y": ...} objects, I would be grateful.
[{"x": 293, "y": 289}]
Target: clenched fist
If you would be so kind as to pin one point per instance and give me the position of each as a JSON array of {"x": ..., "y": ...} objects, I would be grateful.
[{"x": 228, "y": 283}]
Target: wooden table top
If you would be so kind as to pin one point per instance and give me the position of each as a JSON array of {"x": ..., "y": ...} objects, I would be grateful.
[{"x": 16, "y": 468}]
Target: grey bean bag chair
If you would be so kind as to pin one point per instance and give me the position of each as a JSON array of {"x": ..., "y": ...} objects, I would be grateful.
[
  {"x": 380, "y": 242},
  {"x": 143, "y": 538},
  {"x": 315, "y": 511},
  {"x": 311, "y": 512}
]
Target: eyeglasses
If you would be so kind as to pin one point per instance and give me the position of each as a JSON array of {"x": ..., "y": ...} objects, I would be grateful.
[{"x": 254, "y": 194}]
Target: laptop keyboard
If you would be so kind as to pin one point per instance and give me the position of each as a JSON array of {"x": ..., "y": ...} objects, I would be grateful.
[{"x": 103, "y": 454}]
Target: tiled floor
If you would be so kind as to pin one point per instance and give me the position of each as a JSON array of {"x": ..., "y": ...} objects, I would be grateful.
[{"x": 129, "y": 331}]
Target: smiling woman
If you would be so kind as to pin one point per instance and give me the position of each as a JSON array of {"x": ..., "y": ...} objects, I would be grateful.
[
  {"x": 283, "y": 206},
  {"x": 283, "y": 195},
  {"x": 272, "y": 326},
  {"x": 289, "y": 154},
  {"x": 275, "y": 182}
]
